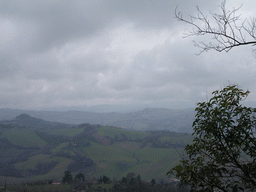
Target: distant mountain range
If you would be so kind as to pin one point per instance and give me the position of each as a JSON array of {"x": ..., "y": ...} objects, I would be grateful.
[
  {"x": 25, "y": 120},
  {"x": 147, "y": 119}
]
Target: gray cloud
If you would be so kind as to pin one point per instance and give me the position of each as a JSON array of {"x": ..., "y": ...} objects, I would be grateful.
[{"x": 76, "y": 53}]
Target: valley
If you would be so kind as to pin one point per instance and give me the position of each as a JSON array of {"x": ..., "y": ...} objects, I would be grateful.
[{"x": 34, "y": 149}]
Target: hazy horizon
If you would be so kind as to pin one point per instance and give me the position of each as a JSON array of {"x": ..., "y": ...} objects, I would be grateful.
[
  {"x": 116, "y": 108},
  {"x": 101, "y": 108}
]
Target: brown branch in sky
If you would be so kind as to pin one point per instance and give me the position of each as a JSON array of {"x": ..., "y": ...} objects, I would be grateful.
[{"x": 224, "y": 28}]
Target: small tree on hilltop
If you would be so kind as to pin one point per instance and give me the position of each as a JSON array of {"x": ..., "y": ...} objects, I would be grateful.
[
  {"x": 67, "y": 177},
  {"x": 153, "y": 182},
  {"x": 79, "y": 177},
  {"x": 105, "y": 179},
  {"x": 223, "y": 153}
]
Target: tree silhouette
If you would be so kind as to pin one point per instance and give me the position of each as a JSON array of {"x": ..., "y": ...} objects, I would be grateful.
[
  {"x": 153, "y": 182},
  {"x": 227, "y": 29},
  {"x": 79, "y": 177},
  {"x": 222, "y": 155},
  {"x": 67, "y": 177}
]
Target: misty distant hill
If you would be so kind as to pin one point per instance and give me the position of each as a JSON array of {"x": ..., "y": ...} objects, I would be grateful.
[
  {"x": 147, "y": 119},
  {"x": 24, "y": 120}
]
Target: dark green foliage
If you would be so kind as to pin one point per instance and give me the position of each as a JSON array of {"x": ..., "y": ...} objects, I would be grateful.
[
  {"x": 222, "y": 155},
  {"x": 6, "y": 126},
  {"x": 105, "y": 179},
  {"x": 5, "y": 143},
  {"x": 79, "y": 177},
  {"x": 9, "y": 169},
  {"x": 42, "y": 168},
  {"x": 175, "y": 140},
  {"x": 153, "y": 182},
  {"x": 67, "y": 177},
  {"x": 134, "y": 183},
  {"x": 82, "y": 139},
  {"x": 80, "y": 162},
  {"x": 138, "y": 178},
  {"x": 122, "y": 165},
  {"x": 53, "y": 139}
]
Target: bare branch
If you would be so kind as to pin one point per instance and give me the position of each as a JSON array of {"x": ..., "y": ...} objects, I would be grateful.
[{"x": 226, "y": 31}]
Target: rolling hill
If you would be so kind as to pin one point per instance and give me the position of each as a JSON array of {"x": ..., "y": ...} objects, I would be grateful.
[
  {"x": 38, "y": 151},
  {"x": 147, "y": 119}
]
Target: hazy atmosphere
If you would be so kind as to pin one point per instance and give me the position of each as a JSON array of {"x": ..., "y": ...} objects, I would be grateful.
[{"x": 67, "y": 54}]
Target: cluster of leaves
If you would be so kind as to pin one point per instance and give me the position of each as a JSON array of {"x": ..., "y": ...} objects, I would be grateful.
[
  {"x": 67, "y": 178},
  {"x": 222, "y": 155},
  {"x": 104, "y": 179}
]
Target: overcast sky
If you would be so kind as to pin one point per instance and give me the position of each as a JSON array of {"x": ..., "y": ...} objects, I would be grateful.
[{"x": 118, "y": 52}]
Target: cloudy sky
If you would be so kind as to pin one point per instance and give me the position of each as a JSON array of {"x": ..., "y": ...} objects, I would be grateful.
[{"x": 56, "y": 53}]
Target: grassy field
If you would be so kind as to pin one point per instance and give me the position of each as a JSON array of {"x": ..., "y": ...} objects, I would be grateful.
[
  {"x": 58, "y": 171},
  {"x": 123, "y": 157},
  {"x": 39, "y": 188},
  {"x": 134, "y": 152},
  {"x": 105, "y": 153},
  {"x": 176, "y": 138},
  {"x": 24, "y": 137},
  {"x": 51, "y": 188},
  {"x": 59, "y": 147},
  {"x": 113, "y": 132},
  {"x": 33, "y": 161},
  {"x": 68, "y": 132}
]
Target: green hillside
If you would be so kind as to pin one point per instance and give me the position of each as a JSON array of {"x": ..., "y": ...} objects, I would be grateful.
[
  {"x": 92, "y": 150},
  {"x": 67, "y": 132},
  {"x": 118, "y": 133},
  {"x": 24, "y": 137}
]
